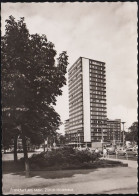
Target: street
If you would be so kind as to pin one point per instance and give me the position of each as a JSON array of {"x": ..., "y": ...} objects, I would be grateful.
[
  {"x": 99, "y": 181},
  {"x": 86, "y": 181}
]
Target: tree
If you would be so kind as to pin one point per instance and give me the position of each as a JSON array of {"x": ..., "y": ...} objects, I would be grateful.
[
  {"x": 10, "y": 132},
  {"x": 60, "y": 139},
  {"x": 132, "y": 135},
  {"x": 31, "y": 80}
]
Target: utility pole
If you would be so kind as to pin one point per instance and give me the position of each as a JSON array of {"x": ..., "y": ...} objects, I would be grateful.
[
  {"x": 78, "y": 135},
  {"x": 113, "y": 136},
  {"x": 123, "y": 132},
  {"x": 101, "y": 135},
  {"x": 79, "y": 140}
]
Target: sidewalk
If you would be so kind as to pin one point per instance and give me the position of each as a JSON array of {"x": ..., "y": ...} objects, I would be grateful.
[
  {"x": 119, "y": 180},
  {"x": 132, "y": 164}
]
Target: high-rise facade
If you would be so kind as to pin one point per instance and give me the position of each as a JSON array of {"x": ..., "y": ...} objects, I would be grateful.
[
  {"x": 114, "y": 131},
  {"x": 87, "y": 101}
]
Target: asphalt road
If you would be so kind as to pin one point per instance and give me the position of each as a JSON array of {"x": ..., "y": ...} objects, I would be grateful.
[
  {"x": 119, "y": 180},
  {"x": 87, "y": 181}
]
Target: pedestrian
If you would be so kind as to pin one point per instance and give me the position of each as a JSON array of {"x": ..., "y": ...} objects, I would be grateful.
[
  {"x": 104, "y": 152},
  {"x": 116, "y": 152},
  {"x": 96, "y": 150}
]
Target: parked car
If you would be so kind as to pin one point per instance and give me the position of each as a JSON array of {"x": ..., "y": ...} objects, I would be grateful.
[
  {"x": 39, "y": 150},
  {"x": 8, "y": 151},
  {"x": 111, "y": 150},
  {"x": 81, "y": 148},
  {"x": 130, "y": 152},
  {"x": 135, "y": 149},
  {"x": 19, "y": 150},
  {"x": 121, "y": 151},
  {"x": 12, "y": 150}
]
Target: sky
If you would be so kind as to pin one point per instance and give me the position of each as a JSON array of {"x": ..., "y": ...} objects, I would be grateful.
[{"x": 101, "y": 31}]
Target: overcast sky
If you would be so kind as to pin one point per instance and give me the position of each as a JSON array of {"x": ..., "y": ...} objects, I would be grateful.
[{"x": 101, "y": 31}]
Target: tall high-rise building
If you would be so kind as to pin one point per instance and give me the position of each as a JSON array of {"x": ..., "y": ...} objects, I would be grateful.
[{"x": 87, "y": 101}]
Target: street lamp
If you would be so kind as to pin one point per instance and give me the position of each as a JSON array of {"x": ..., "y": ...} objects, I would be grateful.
[
  {"x": 78, "y": 138},
  {"x": 101, "y": 135},
  {"x": 123, "y": 132},
  {"x": 113, "y": 136}
]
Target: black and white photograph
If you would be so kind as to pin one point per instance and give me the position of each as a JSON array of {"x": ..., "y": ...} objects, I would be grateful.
[{"x": 69, "y": 100}]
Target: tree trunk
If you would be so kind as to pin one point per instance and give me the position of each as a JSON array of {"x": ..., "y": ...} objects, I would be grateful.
[
  {"x": 15, "y": 148},
  {"x": 27, "y": 170}
]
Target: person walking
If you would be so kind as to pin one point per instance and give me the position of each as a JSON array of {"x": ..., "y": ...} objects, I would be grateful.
[
  {"x": 96, "y": 150},
  {"x": 104, "y": 153}
]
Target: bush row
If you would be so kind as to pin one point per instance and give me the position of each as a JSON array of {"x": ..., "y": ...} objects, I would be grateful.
[{"x": 65, "y": 157}]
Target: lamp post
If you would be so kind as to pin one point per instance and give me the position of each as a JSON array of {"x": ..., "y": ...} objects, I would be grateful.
[
  {"x": 102, "y": 136},
  {"x": 78, "y": 138},
  {"x": 113, "y": 136},
  {"x": 123, "y": 132}
]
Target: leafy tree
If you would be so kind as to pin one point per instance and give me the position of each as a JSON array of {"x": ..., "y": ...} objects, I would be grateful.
[
  {"x": 10, "y": 131},
  {"x": 132, "y": 135},
  {"x": 31, "y": 80},
  {"x": 60, "y": 139}
]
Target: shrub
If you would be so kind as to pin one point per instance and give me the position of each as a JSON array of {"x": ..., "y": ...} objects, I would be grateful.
[
  {"x": 64, "y": 156},
  {"x": 68, "y": 158}
]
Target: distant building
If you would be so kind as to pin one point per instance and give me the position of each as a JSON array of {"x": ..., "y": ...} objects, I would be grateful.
[
  {"x": 30, "y": 147},
  {"x": 66, "y": 126},
  {"x": 67, "y": 132},
  {"x": 114, "y": 131},
  {"x": 87, "y": 102}
]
